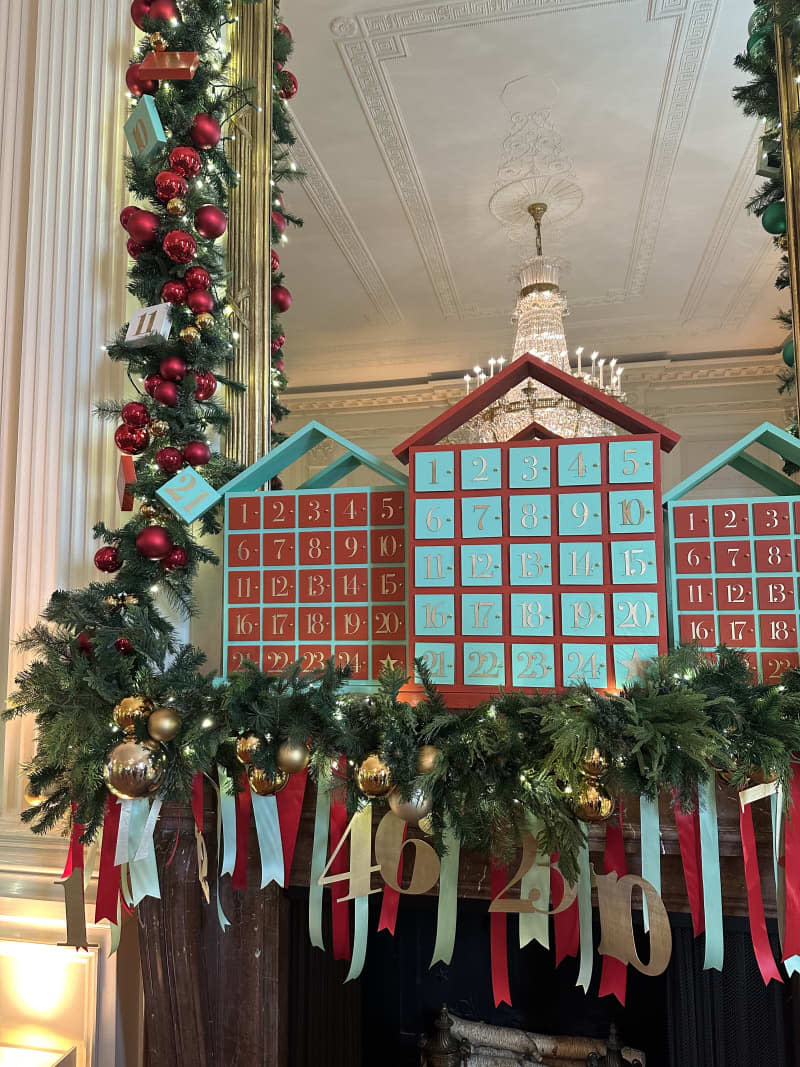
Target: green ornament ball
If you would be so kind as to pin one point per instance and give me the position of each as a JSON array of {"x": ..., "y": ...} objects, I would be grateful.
[
  {"x": 788, "y": 353},
  {"x": 757, "y": 44},
  {"x": 774, "y": 218},
  {"x": 761, "y": 19}
]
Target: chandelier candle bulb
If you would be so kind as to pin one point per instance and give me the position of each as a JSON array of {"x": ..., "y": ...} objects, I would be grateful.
[
  {"x": 467, "y": 380},
  {"x": 601, "y": 363}
]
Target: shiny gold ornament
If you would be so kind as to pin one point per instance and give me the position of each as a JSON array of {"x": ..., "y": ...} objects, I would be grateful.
[
  {"x": 190, "y": 335},
  {"x": 157, "y": 42},
  {"x": 754, "y": 776},
  {"x": 594, "y": 765},
  {"x": 261, "y": 783},
  {"x": 176, "y": 206},
  {"x": 426, "y": 824},
  {"x": 121, "y": 600},
  {"x": 427, "y": 758},
  {"x": 35, "y": 800},
  {"x": 163, "y": 724},
  {"x": 593, "y": 803},
  {"x": 247, "y": 746},
  {"x": 130, "y": 710},
  {"x": 147, "y": 511},
  {"x": 292, "y": 758},
  {"x": 374, "y": 777},
  {"x": 417, "y": 807},
  {"x": 158, "y": 428},
  {"x": 134, "y": 769},
  {"x": 205, "y": 320}
]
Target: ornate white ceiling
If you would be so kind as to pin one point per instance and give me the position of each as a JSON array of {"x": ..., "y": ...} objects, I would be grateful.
[{"x": 424, "y": 131}]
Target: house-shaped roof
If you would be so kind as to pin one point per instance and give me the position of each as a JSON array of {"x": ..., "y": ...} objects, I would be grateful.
[
  {"x": 776, "y": 440},
  {"x": 567, "y": 385}
]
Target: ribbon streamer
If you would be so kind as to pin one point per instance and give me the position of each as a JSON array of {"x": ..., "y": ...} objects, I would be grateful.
[
  {"x": 340, "y": 909},
  {"x": 585, "y": 917},
  {"x": 239, "y": 877},
  {"x": 755, "y": 902},
  {"x": 75, "y": 854},
  {"x": 391, "y": 897},
  {"x": 360, "y": 852},
  {"x": 319, "y": 855},
  {"x": 447, "y": 909},
  {"x": 535, "y": 925},
  {"x": 565, "y": 923},
  {"x": 142, "y": 864},
  {"x": 222, "y": 918},
  {"x": 651, "y": 848},
  {"x": 108, "y": 887},
  {"x": 791, "y": 835},
  {"x": 290, "y": 808},
  {"x": 227, "y": 811},
  {"x": 792, "y": 964},
  {"x": 268, "y": 832},
  {"x": 498, "y": 939},
  {"x": 123, "y": 832},
  {"x": 614, "y": 973},
  {"x": 146, "y": 842},
  {"x": 712, "y": 882},
  {"x": 688, "y": 825}
]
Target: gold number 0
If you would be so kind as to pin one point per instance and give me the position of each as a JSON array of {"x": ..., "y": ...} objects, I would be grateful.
[{"x": 530, "y": 848}]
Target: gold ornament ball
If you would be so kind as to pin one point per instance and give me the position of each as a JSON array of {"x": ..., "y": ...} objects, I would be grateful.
[
  {"x": 176, "y": 206},
  {"x": 35, "y": 800},
  {"x": 147, "y": 511},
  {"x": 157, "y": 42},
  {"x": 112, "y": 601},
  {"x": 594, "y": 803},
  {"x": 594, "y": 765},
  {"x": 163, "y": 724},
  {"x": 417, "y": 807},
  {"x": 292, "y": 758},
  {"x": 205, "y": 320},
  {"x": 427, "y": 758},
  {"x": 130, "y": 710},
  {"x": 158, "y": 428},
  {"x": 426, "y": 824},
  {"x": 374, "y": 777},
  {"x": 190, "y": 335},
  {"x": 246, "y": 747},
  {"x": 134, "y": 769},
  {"x": 261, "y": 783}
]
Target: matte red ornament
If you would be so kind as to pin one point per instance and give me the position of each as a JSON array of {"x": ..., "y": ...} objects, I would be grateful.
[
  {"x": 150, "y": 383},
  {"x": 173, "y": 368},
  {"x": 180, "y": 246},
  {"x": 197, "y": 278},
  {"x": 85, "y": 646},
  {"x": 107, "y": 559},
  {"x": 205, "y": 131},
  {"x": 281, "y": 298},
  {"x": 277, "y": 344},
  {"x": 174, "y": 292},
  {"x": 135, "y": 414},
  {"x": 143, "y": 227},
  {"x": 127, "y": 214},
  {"x": 176, "y": 558},
  {"x": 153, "y": 542},
  {"x": 196, "y": 453},
  {"x": 123, "y": 646},
  {"x": 205, "y": 385},
  {"x": 279, "y": 365},
  {"x": 200, "y": 301},
  {"x": 288, "y": 85},
  {"x": 279, "y": 221},
  {"x": 169, "y": 460},
  {"x": 134, "y": 248},
  {"x": 166, "y": 393},
  {"x": 210, "y": 221},
  {"x": 164, "y": 10},
  {"x": 139, "y": 9},
  {"x": 137, "y": 84},
  {"x": 274, "y": 262},
  {"x": 132, "y": 440},
  {"x": 185, "y": 161},
  {"x": 278, "y": 66},
  {"x": 282, "y": 28},
  {"x": 170, "y": 184}
]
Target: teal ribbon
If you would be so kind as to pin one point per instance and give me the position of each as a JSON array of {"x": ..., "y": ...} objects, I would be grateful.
[
  {"x": 792, "y": 965},
  {"x": 116, "y": 930},
  {"x": 222, "y": 918},
  {"x": 270, "y": 845},
  {"x": 227, "y": 808},
  {"x": 535, "y": 925},
  {"x": 651, "y": 848},
  {"x": 447, "y": 909},
  {"x": 319, "y": 857},
  {"x": 124, "y": 885},
  {"x": 585, "y": 917},
  {"x": 141, "y": 853},
  {"x": 712, "y": 884}
]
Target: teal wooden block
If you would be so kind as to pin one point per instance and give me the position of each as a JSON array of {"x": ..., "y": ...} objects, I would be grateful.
[
  {"x": 144, "y": 131},
  {"x": 188, "y": 494}
]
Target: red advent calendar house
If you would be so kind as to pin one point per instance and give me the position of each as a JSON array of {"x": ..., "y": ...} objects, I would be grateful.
[{"x": 536, "y": 562}]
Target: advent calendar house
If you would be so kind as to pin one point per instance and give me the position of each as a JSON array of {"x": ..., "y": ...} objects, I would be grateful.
[
  {"x": 536, "y": 562},
  {"x": 733, "y": 564}
]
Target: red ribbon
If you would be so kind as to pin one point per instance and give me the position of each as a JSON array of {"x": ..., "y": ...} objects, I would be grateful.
[
  {"x": 565, "y": 924},
  {"x": 340, "y": 909},
  {"x": 197, "y": 800},
  {"x": 108, "y": 877},
  {"x": 755, "y": 902},
  {"x": 75, "y": 854},
  {"x": 688, "y": 824},
  {"x": 391, "y": 898},
  {"x": 499, "y": 939},
  {"x": 243, "y": 805},
  {"x": 791, "y": 933},
  {"x": 614, "y": 973},
  {"x": 290, "y": 807}
]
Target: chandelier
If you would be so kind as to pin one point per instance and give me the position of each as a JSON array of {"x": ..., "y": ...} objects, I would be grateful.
[{"x": 539, "y": 317}]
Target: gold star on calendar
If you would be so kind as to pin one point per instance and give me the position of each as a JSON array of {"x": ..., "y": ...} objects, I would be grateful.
[
  {"x": 389, "y": 664},
  {"x": 637, "y": 667}
]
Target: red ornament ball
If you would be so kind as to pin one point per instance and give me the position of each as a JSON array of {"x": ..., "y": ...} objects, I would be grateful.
[
  {"x": 185, "y": 161},
  {"x": 132, "y": 440},
  {"x": 153, "y": 542},
  {"x": 169, "y": 460},
  {"x": 205, "y": 131},
  {"x": 180, "y": 246},
  {"x": 200, "y": 301},
  {"x": 274, "y": 262},
  {"x": 164, "y": 10},
  {"x": 278, "y": 221},
  {"x": 173, "y": 368},
  {"x": 278, "y": 66},
  {"x": 279, "y": 365},
  {"x": 139, "y": 9},
  {"x": 107, "y": 559},
  {"x": 166, "y": 393},
  {"x": 277, "y": 344},
  {"x": 205, "y": 385},
  {"x": 123, "y": 646},
  {"x": 282, "y": 28},
  {"x": 210, "y": 221},
  {"x": 126, "y": 215},
  {"x": 176, "y": 558},
  {"x": 174, "y": 292},
  {"x": 150, "y": 383},
  {"x": 197, "y": 453},
  {"x": 134, "y": 248},
  {"x": 138, "y": 85},
  {"x": 135, "y": 414},
  {"x": 197, "y": 278},
  {"x": 170, "y": 184},
  {"x": 281, "y": 298},
  {"x": 143, "y": 227},
  {"x": 288, "y": 85},
  {"x": 85, "y": 646}
]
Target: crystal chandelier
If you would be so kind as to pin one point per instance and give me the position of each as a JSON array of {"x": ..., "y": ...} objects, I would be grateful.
[{"x": 539, "y": 316}]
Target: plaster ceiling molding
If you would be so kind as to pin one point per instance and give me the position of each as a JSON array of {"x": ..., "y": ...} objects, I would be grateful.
[
  {"x": 339, "y": 223},
  {"x": 509, "y": 205},
  {"x": 762, "y": 271}
]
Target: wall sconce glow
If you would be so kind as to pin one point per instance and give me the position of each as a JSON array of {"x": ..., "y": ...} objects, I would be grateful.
[{"x": 35, "y": 978}]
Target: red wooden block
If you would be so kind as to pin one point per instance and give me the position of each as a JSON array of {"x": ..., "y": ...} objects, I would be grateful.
[
  {"x": 279, "y": 623},
  {"x": 280, "y": 586},
  {"x": 351, "y": 584},
  {"x": 691, "y": 520},
  {"x": 776, "y": 594},
  {"x": 350, "y": 509},
  {"x": 170, "y": 66},
  {"x": 699, "y": 629},
  {"x": 388, "y": 509},
  {"x": 276, "y": 658},
  {"x": 315, "y": 624},
  {"x": 314, "y": 586},
  {"x": 314, "y": 657},
  {"x": 732, "y": 557},
  {"x": 775, "y": 664},
  {"x": 388, "y": 583},
  {"x": 695, "y": 594},
  {"x": 778, "y": 631},
  {"x": 773, "y": 556},
  {"x": 279, "y": 549},
  {"x": 735, "y": 594},
  {"x": 770, "y": 519},
  {"x": 388, "y": 623},
  {"x": 388, "y": 546},
  {"x": 244, "y": 587},
  {"x": 693, "y": 557},
  {"x": 244, "y": 513},
  {"x": 125, "y": 474},
  {"x": 315, "y": 549},
  {"x": 388, "y": 656},
  {"x": 244, "y": 624},
  {"x": 752, "y": 662},
  {"x": 352, "y": 623},
  {"x": 356, "y": 657},
  {"x": 244, "y": 550},
  {"x": 279, "y": 511},
  {"x": 237, "y": 654},
  {"x": 350, "y": 547},
  {"x": 731, "y": 520},
  {"x": 314, "y": 510},
  {"x": 737, "y": 631}
]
